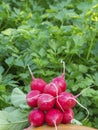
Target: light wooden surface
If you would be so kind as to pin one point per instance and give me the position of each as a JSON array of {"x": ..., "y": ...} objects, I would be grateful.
[{"x": 63, "y": 127}]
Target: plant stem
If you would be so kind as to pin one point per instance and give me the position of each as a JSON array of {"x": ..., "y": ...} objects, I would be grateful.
[
  {"x": 63, "y": 67},
  {"x": 30, "y": 71},
  {"x": 89, "y": 50}
]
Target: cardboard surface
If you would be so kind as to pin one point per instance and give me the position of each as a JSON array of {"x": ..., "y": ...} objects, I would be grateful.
[{"x": 63, "y": 127}]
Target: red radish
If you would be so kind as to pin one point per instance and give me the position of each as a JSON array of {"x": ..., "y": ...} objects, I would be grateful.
[
  {"x": 46, "y": 101},
  {"x": 36, "y": 117},
  {"x": 60, "y": 81},
  {"x": 68, "y": 115},
  {"x": 65, "y": 100},
  {"x": 53, "y": 117},
  {"x": 37, "y": 83},
  {"x": 52, "y": 89},
  {"x": 32, "y": 98}
]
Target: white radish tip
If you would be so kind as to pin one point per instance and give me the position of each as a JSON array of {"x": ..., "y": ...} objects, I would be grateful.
[
  {"x": 55, "y": 125},
  {"x": 82, "y": 107}
]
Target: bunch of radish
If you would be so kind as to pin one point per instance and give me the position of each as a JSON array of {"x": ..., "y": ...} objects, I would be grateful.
[{"x": 50, "y": 102}]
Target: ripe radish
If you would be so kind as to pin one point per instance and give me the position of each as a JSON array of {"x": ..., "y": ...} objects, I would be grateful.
[
  {"x": 37, "y": 83},
  {"x": 65, "y": 100},
  {"x": 68, "y": 115},
  {"x": 32, "y": 98},
  {"x": 36, "y": 117},
  {"x": 60, "y": 81},
  {"x": 46, "y": 101},
  {"x": 53, "y": 117},
  {"x": 52, "y": 89}
]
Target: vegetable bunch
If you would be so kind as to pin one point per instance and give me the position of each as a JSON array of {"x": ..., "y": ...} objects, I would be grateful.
[{"x": 50, "y": 102}]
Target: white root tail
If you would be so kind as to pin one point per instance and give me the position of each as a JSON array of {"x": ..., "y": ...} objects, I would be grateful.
[
  {"x": 57, "y": 96},
  {"x": 55, "y": 125},
  {"x": 82, "y": 107}
]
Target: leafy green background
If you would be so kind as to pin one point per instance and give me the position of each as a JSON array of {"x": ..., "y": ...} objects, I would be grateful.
[{"x": 41, "y": 33}]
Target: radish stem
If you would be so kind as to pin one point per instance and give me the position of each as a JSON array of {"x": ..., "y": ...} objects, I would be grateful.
[
  {"x": 83, "y": 91},
  {"x": 63, "y": 67},
  {"x": 30, "y": 71}
]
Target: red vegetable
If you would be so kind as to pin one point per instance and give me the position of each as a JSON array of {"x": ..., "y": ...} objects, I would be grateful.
[
  {"x": 32, "y": 98},
  {"x": 37, "y": 83},
  {"x": 60, "y": 80},
  {"x": 65, "y": 100},
  {"x": 68, "y": 115},
  {"x": 46, "y": 101},
  {"x": 52, "y": 89},
  {"x": 53, "y": 117},
  {"x": 36, "y": 117}
]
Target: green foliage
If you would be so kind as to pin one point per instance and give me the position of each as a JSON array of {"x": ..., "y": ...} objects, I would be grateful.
[
  {"x": 12, "y": 118},
  {"x": 41, "y": 34},
  {"x": 15, "y": 116}
]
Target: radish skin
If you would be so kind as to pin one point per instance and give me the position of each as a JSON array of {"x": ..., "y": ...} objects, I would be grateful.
[
  {"x": 65, "y": 100},
  {"x": 36, "y": 117},
  {"x": 37, "y": 83},
  {"x": 60, "y": 80},
  {"x": 46, "y": 102},
  {"x": 50, "y": 89},
  {"x": 32, "y": 98},
  {"x": 53, "y": 117},
  {"x": 68, "y": 115}
]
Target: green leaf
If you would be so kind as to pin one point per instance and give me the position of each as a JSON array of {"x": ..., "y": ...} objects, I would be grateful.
[
  {"x": 3, "y": 117},
  {"x": 8, "y": 31},
  {"x": 96, "y": 122},
  {"x": 1, "y": 69},
  {"x": 10, "y": 61},
  {"x": 8, "y": 81},
  {"x": 18, "y": 98},
  {"x": 19, "y": 62},
  {"x": 89, "y": 93},
  {"x": 24, "y": 75},
  {"x": 83, "y": 68},
  {"x": 13, "y": 120},
  {"x": 96, "y": 79},
  {"x": 2, "y": 88}
]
